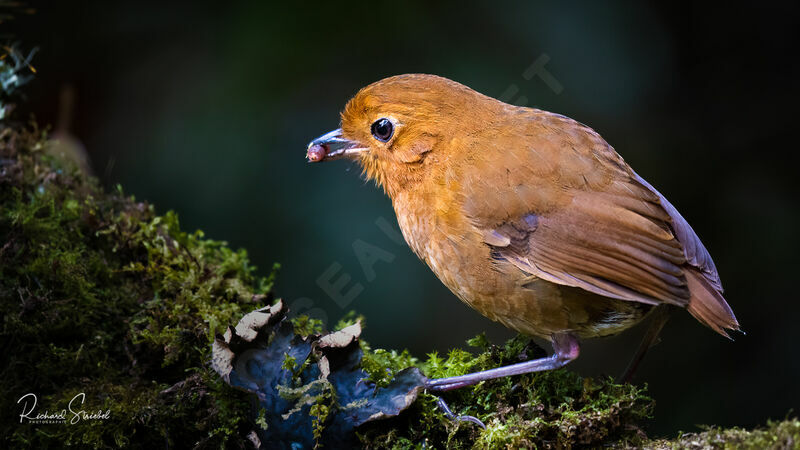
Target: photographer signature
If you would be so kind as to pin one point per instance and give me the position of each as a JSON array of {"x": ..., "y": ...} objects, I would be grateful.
[{"x": 29, "y": 405}]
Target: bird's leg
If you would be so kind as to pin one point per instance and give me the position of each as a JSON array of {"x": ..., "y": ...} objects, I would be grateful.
[
  {"x": 446, "y": 409},
  {"x": 565, "y": 347},
  {"x": 660, "y": 317}
]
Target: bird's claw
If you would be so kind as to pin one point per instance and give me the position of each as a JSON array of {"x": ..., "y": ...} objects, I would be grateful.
[{"x": 447, "y": 412}]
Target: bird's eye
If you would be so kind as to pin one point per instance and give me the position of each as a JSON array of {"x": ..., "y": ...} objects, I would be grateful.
[{"x": 382, "y": 129}]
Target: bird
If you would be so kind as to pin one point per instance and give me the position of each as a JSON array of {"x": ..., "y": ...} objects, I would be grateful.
[{"x": 529, "y": 217}]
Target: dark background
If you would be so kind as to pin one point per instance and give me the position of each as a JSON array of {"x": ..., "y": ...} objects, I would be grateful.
[{"x": 207, "y": 110}]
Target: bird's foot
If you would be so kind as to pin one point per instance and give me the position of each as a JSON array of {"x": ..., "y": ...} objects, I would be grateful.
[
  {"x": 445, "y": 384},
  {"x": 447, "y": 412}
]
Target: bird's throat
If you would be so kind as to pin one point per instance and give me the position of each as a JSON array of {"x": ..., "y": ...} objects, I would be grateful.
[{"x": 392, "y": 177}]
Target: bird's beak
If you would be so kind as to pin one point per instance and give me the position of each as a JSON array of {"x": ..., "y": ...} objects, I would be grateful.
[{"x": 332, "y": 146}]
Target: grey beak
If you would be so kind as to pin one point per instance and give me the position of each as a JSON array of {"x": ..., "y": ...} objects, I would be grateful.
[{"x": 332, "y": 145}]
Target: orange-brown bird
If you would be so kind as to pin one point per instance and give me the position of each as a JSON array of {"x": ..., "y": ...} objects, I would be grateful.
[{"x": 529, "y": 217}]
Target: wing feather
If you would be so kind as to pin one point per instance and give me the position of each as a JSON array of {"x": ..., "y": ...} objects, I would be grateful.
[
  {"x": 601, "y": 246},
  {"x": 568, "y": 209}
]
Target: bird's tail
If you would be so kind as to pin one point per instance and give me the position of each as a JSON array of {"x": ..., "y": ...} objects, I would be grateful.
[{"x": 708, "y": 306}]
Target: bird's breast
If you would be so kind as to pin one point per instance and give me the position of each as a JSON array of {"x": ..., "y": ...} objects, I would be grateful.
[{"x": 442, "y": 237}]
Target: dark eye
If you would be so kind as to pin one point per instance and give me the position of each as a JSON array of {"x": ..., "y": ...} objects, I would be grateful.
[{"x": 383, "y": 129}]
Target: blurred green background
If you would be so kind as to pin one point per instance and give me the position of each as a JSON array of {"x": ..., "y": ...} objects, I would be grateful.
[{"x": 207, "y": 108}]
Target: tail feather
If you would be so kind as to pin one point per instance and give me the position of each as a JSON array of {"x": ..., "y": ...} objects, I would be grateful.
[{"x": 708, "y": 306}]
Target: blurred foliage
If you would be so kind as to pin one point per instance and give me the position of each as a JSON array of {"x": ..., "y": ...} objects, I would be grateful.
[
  {"x": 15, "y": 70},
  {"x": 13, "y": 8}
]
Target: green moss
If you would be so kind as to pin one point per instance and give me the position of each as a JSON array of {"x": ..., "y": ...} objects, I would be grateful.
[
  {"x": 289, "y": 363},
  {"x": 321, "y": 409},
  {"x": 102, "y": 296},
  {"x": 306, "y": 326},
  {"x": 382, "y": 365},
  {"x": 776, "y": 435},
  {"x": 534, "y": 410},
  {"x": 555, "y": 409},
  {"x": 350, "y": 318}
]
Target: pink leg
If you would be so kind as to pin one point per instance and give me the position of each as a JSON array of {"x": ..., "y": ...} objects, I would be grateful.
[{"x": 565, "y": 347}]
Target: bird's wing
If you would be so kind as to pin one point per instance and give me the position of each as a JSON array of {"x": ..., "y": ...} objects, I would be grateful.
[
  {"x": 566, "y": 208},
  {"x": 696, "y": 254}
]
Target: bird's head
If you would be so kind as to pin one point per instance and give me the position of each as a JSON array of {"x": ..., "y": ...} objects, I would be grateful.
[{"x": 403, "y": 128}]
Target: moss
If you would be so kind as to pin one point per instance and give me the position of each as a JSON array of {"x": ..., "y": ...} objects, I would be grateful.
[
  {"x": 321, "y": 410},
  {"x": 100, "y": 295},
  {"x": 557, "y": 408},
  {"x": 776, "y": 435},
  {"x": 382, "y": 365},
  {"x": 306, "y": 326}
]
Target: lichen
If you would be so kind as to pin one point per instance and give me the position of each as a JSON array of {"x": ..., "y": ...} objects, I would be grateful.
[{"x": 319, "y": 404}]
